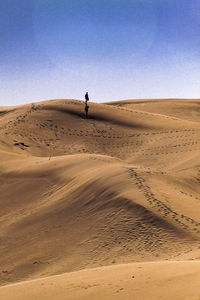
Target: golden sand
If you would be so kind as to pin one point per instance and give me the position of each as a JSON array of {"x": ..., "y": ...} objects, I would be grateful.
[{"x": 114, "y": 195}]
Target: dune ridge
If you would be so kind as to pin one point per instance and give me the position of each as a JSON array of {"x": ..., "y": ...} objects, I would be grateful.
[{"x": 121, "y": 187}]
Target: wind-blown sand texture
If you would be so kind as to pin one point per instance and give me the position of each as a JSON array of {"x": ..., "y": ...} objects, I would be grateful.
[{"x": 117, "y": 194}]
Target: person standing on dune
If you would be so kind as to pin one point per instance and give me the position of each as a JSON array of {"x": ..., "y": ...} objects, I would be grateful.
[
  {"x": 86, "y": 97},
  {"x": 86, "y": 105}
]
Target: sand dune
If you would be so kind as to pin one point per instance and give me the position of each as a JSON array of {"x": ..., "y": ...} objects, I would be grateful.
[
  {"x": 157, "y": 280},
  {"x": 120, "y": 187}
]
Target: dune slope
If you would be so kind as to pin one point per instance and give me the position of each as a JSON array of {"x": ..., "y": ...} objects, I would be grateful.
[{"x": 157, "y": 280}]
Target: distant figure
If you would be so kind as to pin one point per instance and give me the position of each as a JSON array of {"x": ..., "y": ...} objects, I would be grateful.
[
  {"x": 86, "y": 105},
  {"x": 86, "y": 109},
  {"x": 86, "y": 97}
]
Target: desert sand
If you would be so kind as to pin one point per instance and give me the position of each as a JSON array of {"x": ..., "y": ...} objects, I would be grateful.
[{"x": 100, "y": 208}]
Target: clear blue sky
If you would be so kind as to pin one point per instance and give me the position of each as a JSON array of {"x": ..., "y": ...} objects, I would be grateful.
[{"x": 114, "y": 49}]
